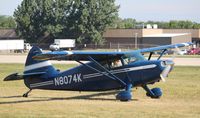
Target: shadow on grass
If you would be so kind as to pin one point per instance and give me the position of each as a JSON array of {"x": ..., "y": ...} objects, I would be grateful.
[{"x": 80, "y": 97}]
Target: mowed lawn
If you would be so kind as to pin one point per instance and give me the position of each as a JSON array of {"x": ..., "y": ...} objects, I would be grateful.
[{"x": 181, "y": 99}]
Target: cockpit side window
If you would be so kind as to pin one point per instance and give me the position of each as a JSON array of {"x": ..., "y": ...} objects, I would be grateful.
[
  {"x": 116, "y": 63},
  {"x": 112, "y": 64},
  {"x": 105, "y": 64},
  {"x": 128, "y": 60},
  {"x": 133, "y": 58}
]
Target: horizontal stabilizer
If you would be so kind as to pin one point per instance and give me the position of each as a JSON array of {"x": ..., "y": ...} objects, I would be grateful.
[
  {"x": 16, "y": 76},
  {"x": 34, "y": 74},
  {"x": 13, "y": 77}
]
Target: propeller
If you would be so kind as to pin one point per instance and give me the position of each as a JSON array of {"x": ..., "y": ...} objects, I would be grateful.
[
  {"x": 165, "y": 72},
  {"x": 176, "y": 51},
  {"x": 169, "y": 65}
]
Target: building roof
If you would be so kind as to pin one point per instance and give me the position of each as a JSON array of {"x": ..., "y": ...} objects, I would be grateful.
[
  {"x": 8, "y": 34},
  {"x": 128, "y": 33},
  {"x": 167, "y": 35}
]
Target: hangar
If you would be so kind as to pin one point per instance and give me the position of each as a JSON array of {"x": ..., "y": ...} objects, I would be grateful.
[
  {"x": 135, "y": 38},
  {"x": 140, "y": 38},
  {"x": 166, "y": 38},
  {"x": 8, "y": 34}
]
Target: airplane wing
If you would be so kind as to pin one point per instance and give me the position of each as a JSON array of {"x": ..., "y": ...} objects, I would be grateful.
[
  {"x": 146, "y": 50},
  {"x": 78, "y": 55},
  {"x": 98, "y": 56}
]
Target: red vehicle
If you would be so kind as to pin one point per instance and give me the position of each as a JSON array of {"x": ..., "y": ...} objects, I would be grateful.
[{"x": 194, "y": 51}]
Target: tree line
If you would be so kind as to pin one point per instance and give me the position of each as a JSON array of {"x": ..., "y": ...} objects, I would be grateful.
[
  {"x": 7, "y": 22},
  {"x": 173, "y": 24}
]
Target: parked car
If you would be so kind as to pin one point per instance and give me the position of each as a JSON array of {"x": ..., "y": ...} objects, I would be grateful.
[
  {"x": 182, "y": 52},
  {"x": 193, "y": 51},
  {"x": 168, "y": 52}
]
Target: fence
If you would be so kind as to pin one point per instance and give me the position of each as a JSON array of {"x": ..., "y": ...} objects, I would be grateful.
[{"x": 103, "y": 46}]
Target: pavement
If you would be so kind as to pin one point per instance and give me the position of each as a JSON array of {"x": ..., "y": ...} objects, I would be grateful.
[{"x": 22, "y": 58}]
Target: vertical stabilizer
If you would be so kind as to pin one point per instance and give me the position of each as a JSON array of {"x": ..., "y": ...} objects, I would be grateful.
[{"x": 32, "y": 66}]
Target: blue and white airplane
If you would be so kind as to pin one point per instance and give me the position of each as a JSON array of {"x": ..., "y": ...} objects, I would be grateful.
[{"x": 104, "y": 71}]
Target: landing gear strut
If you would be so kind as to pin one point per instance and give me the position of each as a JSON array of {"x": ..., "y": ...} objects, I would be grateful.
[
  {"x": 26, "y": 94},
  {"x": 153, "y": 93}
]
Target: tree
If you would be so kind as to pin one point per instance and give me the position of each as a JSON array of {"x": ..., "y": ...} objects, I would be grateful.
[
  {"x": 129, "y": 23},
  {"x": 84, "y": 20},
  {"x": 7, "y": 22},
  {"x": 30, "y": 18},
  {"x": 119, "y": 23},
  {"x": 89, "y": 19}
]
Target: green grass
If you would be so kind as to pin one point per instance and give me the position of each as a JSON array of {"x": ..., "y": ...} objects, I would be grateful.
[{"x": 181, "y": 99}]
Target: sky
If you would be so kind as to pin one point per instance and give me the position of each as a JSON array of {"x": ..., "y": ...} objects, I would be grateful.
[{"x": 141, "y": 10}]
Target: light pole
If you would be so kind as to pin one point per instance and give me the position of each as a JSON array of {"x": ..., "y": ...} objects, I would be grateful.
[{"x": 136, "y": 40}]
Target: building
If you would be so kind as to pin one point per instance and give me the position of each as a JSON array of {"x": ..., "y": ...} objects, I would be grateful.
[
  {"x": 8, "y": 34},
  {"x": 9, "y": 41},
  {"x": 151, "y": 37},
  {"x": 137, "y": 38},
  {"x": 166, "y": 38}
]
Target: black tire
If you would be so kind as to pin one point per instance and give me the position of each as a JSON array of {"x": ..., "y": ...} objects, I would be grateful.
[
  {"x": 25, "y": 95},
  {"x": 157, "y": 92}
]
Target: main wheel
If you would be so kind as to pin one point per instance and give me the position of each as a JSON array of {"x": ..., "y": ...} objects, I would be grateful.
[
  {"x": 124, "y": 96},
  {"x": 157, "y": 93}
]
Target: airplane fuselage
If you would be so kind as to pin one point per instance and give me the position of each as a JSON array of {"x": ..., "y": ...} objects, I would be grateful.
[{"x": 82, "y": 78}]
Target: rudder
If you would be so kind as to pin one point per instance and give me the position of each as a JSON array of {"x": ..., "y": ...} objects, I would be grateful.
[{"x": 32, "y": 66}]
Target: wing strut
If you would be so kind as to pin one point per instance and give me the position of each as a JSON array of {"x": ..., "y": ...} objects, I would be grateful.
[
  {"x": 96, "y": 70},
  {"x": 162, "y": 54},
  {"x": 108, "y": 74},
  {"x": 112, "y": 75},
  {"x": 150, "y": 55}
]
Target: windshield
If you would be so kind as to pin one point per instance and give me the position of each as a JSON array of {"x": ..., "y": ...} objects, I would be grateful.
[
  {"x": 125, "y": 60},
  {"x": 133, "y": 58}
]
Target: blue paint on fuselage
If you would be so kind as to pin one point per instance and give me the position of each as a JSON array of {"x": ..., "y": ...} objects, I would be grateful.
[{"x": 137, "y": 73}]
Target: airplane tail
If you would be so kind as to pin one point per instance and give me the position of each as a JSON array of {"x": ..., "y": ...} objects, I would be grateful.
[
  {"x": 34, "y": 68},
  {"x": 38, "y": 66}
]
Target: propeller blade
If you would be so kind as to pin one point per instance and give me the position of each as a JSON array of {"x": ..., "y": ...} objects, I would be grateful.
[
  {"x": 162, "y": 78},
  {"x": 165, "y": 72},
  {"x": 176, "y": 51}
]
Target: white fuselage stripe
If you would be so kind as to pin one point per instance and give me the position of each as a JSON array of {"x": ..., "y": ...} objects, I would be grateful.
[
  {"x": 120, "y": 71},
  {"x": 37, "y": 65},
  {"x": 41, "y": 84}
]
